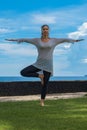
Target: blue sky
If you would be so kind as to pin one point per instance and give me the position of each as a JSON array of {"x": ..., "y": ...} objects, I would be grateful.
[{"x": 23, "y": 19}]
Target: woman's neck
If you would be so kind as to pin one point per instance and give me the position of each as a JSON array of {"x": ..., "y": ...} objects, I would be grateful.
[{"x": 45, "y": 37}]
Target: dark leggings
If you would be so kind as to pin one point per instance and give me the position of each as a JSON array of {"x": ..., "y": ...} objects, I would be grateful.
[{"x": 31, "y": 71}]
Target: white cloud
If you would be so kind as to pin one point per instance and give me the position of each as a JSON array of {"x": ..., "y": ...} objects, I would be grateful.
[
  {"x": 60, "y": 18},
  {"x": 81, "y": 31},
  {"x": 41, "y": 19},
  {"x": 59, "y": 51},
  {"x": 14, "y": 49},
  {"x": 84, "y": 60},
  {"x": 4, "y": 30},
  {"x": 67, "y": 45}
]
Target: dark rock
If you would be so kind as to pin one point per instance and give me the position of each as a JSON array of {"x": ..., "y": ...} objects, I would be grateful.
[{"x": 32, "y": 88}]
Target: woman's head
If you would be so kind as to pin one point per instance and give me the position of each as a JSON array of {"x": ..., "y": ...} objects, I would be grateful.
[{"x": 45, "y": 30}]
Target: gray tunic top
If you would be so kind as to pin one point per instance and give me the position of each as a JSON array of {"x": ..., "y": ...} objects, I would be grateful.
[{"x": 45, "y": 51}]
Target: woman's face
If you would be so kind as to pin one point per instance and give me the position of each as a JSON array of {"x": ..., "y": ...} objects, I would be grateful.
[{"x": 45, "y": 30}]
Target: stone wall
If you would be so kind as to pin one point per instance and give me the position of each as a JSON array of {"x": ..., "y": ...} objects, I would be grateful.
[{"x": 31, "y": 88}]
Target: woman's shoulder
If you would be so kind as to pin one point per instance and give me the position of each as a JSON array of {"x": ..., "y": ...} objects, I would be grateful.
[{"x": 53, "y": 38}]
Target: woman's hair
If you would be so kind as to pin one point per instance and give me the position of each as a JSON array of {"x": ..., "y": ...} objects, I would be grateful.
[{"x": 44, "y": 26}]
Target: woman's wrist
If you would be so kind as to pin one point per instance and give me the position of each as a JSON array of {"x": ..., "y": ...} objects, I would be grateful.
[{"x": 78, "y": 40}]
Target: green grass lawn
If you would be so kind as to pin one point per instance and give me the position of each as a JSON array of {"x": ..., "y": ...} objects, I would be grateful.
[{"x": 62, "y": 114}]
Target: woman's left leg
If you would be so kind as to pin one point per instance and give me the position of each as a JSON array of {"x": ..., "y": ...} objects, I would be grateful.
[{"x": 44, "y": 86}]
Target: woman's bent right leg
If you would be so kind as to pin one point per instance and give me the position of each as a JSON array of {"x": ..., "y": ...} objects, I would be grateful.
[{"x": 30, "y": 71}]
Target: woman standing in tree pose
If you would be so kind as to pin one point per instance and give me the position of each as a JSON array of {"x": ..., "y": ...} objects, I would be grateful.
[{"x": 45, "y": 46}]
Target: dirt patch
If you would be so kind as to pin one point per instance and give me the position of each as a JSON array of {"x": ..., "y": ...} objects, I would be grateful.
[{"x": 48, "y": 97}]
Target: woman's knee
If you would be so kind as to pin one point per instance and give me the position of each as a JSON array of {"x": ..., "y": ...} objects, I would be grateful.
[{"x": 22, "y": 72}]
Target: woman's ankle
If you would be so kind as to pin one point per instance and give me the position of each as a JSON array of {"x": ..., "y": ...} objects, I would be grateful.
[{"x": 42, "y": 102}]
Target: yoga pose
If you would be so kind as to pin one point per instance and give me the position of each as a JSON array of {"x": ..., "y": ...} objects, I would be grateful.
[{"x": 43, "y": 67}]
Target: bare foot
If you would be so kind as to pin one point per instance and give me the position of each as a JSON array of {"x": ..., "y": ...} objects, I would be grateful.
[
  {"x": 42, "y": 102},
  {"x": 41, "y": 76}
]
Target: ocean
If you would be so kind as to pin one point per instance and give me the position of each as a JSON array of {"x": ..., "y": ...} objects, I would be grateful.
[{"x": 55, "y": 78}]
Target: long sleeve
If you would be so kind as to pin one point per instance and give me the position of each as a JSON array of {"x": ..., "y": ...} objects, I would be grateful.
[
  {"x": 62, "y": 40},
  {"x": 31, "y": 40}
]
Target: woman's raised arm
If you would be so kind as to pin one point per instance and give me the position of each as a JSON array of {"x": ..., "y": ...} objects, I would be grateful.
[
  {"x": 62, "y": 40},
  {"x": 28, "y": 40}
]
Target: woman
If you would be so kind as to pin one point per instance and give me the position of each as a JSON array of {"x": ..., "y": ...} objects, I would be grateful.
[{"x": 45, "y": 46}]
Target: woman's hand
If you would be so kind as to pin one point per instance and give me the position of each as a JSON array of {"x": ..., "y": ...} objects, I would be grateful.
[
  {"x": 79, "y": 40},
  {"x": 15, "y": 40},
  {"x": 10, "y": 39}
]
